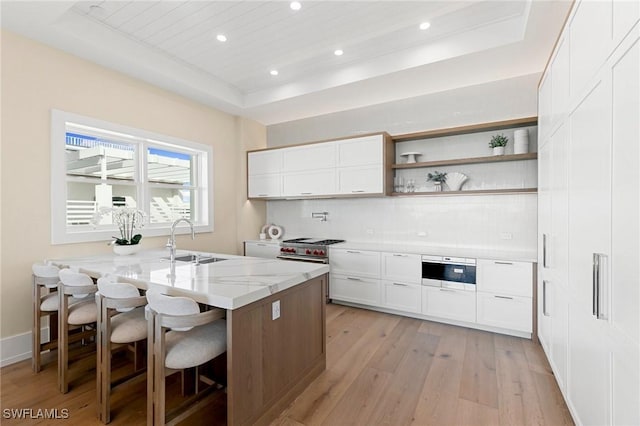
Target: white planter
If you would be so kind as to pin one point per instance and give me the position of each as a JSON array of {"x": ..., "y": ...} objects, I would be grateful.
[
  {"x": 521, "y": 141},
  {"x": 126, "y": 250},
  {"x": 498, "y": 150}
]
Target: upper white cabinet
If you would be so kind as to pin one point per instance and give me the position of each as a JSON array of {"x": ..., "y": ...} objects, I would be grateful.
[
  {"x": 589, "y": 213},
  {"x": 264, "y": 173},
  {"x": 346, "y": 167},
  {"x": 309, "y": 157}
]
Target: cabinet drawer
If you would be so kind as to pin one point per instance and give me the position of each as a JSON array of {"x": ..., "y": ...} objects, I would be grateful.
[
  {"x": 447, "y": 303},
  {"x": 511, "y": 312},
  {"x": 355, "y": 289},
  {"x": 402, "y": 267},
  {"x": 401, "y": 296},
  {"x": 355, "y": 262},
  {"x": 505, "y": 277},
  {"x": 267, "y": 250}
]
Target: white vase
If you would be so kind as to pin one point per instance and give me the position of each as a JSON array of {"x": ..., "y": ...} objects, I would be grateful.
[
  {"x": 498, "y": 150},
  {"x": 521, "y": 141},
  {"x": 126, "y": 250}
]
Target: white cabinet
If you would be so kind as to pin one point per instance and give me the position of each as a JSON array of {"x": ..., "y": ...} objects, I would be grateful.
[
  {"x": 263, "y": 186},
  {"x": 402, "y": 267},
  {"x": 361, "y": 263},
  {"x": 309, "y": 183},
  {"x": 589, "y": 294},
  {"x": 268, "y": 250},
  {"x": 347, "y": 167},
  {"x": 309, "y": 157},
  {"x": 510, "y": 312},
  {"x": 264, "y": 174},
  {"x": 355, "y": 289},
  {"x": 505, "y": 277},
  {"x": 449, "y": 303},
  {"x": 401, "y": 296}
]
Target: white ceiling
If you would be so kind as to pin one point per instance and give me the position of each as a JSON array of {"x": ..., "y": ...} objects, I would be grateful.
[{"x": 173, "y": 44}]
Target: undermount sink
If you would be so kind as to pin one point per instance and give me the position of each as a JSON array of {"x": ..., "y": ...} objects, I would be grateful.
[{"x": 198, "y": 259}]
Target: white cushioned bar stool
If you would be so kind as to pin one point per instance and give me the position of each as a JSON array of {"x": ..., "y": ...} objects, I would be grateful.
[
  {"x": 45, "y": 303},
  {"x": 76, "y": 351},
  {"x": 180, "y": 337},
  {"x": 121, "y": 324}
]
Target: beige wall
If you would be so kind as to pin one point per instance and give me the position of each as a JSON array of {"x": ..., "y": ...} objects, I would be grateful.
[{"x": 36, "y": 78}]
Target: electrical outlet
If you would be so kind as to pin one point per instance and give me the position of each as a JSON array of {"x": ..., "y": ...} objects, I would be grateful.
[
  {"x": 275, "y": 310},
  {"x": 370, "y": 231},
  {"x": 422, "y": 234},
  {"x": 506, "y": 236}
]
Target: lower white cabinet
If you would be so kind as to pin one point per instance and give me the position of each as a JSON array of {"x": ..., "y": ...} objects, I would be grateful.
[
  {"x": 511, "y": 312},
  {"x": 401, "y": 296},
  {"x": 355, "y": 289},
  {"x": 360, "y": 263},
  {"x": 266, "y": 250},
  {"x": 449, "y": 303}
]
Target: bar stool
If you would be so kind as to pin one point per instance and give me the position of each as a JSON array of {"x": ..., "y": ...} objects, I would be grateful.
[
  {"x": 121, "y": 322},
  {"x": 194, "y": 338},
  {"x": 45, "y": 277},
  {"x": 75, "y": 348}
]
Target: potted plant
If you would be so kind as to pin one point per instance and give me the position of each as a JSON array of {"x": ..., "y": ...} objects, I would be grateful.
[
  {"x": 438, "y": 179},
  {"x": 498, "y": 142},
  {"x": 127, "y": 219}
]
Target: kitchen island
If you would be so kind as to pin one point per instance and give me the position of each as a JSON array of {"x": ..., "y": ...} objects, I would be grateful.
[{"x": 272, "y": 353}]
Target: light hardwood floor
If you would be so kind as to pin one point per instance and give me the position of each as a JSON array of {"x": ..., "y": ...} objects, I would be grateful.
[{"x": 381, "y": 370}]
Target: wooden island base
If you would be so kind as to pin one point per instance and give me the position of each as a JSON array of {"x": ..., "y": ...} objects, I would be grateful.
[{"x": 271, "y": 361}]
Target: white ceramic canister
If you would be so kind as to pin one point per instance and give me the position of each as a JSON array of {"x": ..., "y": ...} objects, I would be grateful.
[{"x": 521, "y": 141}]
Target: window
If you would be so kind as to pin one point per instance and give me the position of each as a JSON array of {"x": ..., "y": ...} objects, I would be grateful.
[{"x": 96, "y": 164}]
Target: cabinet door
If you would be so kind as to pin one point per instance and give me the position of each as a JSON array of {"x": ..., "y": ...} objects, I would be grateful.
[
  {"x": 589, "y": 233},
  {"x": 264, "y": 162},
  {"x": 544, "y": 107},
  {"x": 402, "y": 267},
  {"x": 448, "y": 303},
  {"x": 309, "y": 157},
  {"x": 360, "y": 151},
  {"x": 401, "y": 296},
  {"x": 312, "y": 182},
  {"x": 559, "y": 311},
  {"x": 504, "y": 311},
  {"x": 625, "y": 227},
  {"x": 560, "y": 82},
  {"x": 266, "y": 250},
  {"x": 355, "y": 289},
  {"x": 261, "y": 186},
  {"x": 545, "y": 319},
  {"x": 505, "y": 277},
  {"x": 361, "y": 180},
  {"x": 359, "y": 263}
]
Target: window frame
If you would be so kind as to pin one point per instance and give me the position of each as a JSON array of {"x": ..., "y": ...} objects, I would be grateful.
[{"x": 143, "y": 140}]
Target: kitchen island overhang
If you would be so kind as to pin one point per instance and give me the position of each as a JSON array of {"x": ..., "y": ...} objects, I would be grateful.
[{"x": 271, "y": 357}]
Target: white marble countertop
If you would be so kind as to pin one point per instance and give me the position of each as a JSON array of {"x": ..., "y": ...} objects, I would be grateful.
[
  {"x": 468, "y": 252},
  {"x": 228, "y": 284}
]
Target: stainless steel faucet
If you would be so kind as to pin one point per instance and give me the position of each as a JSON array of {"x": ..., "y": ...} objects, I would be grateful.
[
  {"x": 320, "y": 215},
  {"x": 171, "y": 243}
]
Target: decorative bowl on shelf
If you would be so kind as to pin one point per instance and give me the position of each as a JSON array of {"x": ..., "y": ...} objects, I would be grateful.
[
  {"x": 126, "y": 250},
  {"x": 411, "y": 156},
  {"x": 455, "y": 180}
]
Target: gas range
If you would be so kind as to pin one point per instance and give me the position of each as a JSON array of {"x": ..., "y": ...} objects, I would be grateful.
[{"x": 307, "y": 249}]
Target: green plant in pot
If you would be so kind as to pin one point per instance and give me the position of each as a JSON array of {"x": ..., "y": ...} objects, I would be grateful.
[
  {"x": 438, "y": 178},
  {"x": 498, "y": 142}
]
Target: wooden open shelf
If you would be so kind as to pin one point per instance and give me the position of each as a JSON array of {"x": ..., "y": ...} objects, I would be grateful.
[
  {"x": 473, "y": 128},
  {"x": 470, "y": 192},
  {"x": 472, "y": 160}
]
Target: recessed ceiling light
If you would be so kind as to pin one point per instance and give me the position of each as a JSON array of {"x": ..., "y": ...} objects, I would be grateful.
[
  {"x": 425, "y": 25},
  {"x": 295, "y": 5},
  {"x": 221, "y": 37},
  {"x": 338, "y": 52},
  {"x": 273, "y": 72}
]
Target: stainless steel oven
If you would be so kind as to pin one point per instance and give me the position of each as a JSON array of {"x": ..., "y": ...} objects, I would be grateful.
[{"x": 450, "y": 272}]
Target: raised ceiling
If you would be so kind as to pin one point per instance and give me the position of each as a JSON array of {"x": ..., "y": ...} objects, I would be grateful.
[{"x": 386, "y": 57}]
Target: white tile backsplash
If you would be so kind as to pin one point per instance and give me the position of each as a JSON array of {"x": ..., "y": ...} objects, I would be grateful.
[{"x": 455, "y": 221}]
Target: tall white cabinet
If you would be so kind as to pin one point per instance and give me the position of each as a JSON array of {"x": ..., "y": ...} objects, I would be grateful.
[{"x": 589, "y": 212}]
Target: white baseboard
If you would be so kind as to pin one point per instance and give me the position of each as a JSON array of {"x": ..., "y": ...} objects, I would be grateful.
[{"x": 18, "y": 348}]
